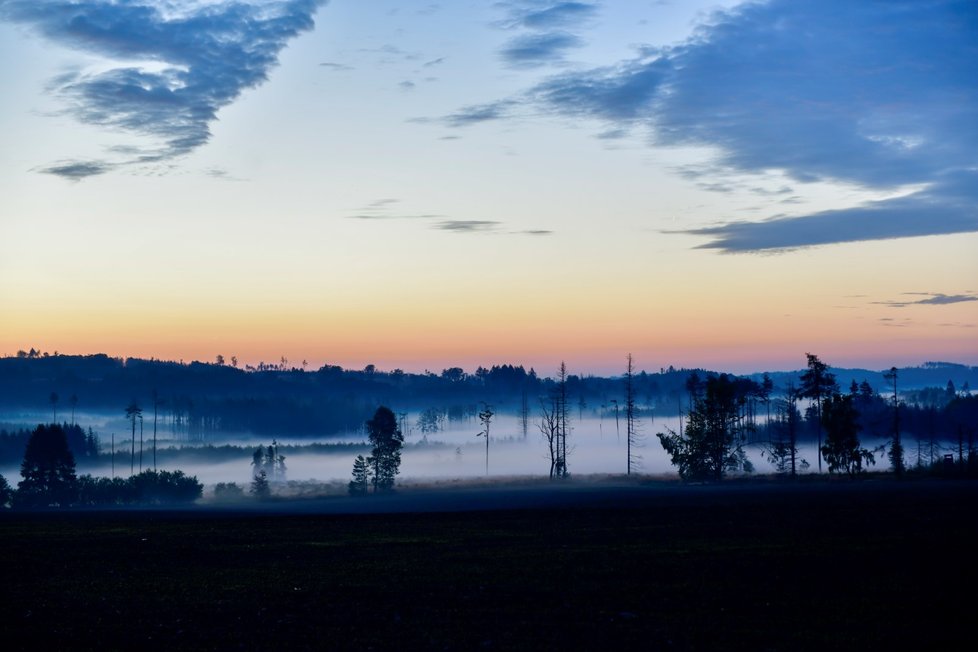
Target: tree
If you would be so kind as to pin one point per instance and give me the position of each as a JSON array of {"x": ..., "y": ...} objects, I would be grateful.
[
  {"x": 560, "y": 469},
  {"x": 162, "y": 487},
  {"x": 260, "y": 488},
  {"x": 782, "y": 449},
  {"x": 816, "y": 384},
  {"x": 710, "y": 445},
  {"x": 48, "y": 469},
  {"x": 156, "y": 408},
  {"x": 386, "y": 437},
  {"x": 896, "y": 448},
  {"x": 430, "y": 420},
  {"x": 267, "y": 460},
  {"x": 485, "y": 417},
  {"x": 842, "y": 451},
  {"x": 361, "y": 477},
  {"x": 54, "y": 406},
  {"x": 524, "y": 413},
  {"x": 550, "y": 429},
  {"x": 133, "y": 412},
  {"x": 631, "y": 422},
  {"x": 6, "y": 493}
]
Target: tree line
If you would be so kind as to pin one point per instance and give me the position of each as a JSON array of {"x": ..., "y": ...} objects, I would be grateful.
[
  {"x": 49, "y": 479},
  {"x": 720, "y": 422}
]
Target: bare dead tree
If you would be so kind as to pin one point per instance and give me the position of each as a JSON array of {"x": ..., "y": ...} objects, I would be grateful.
[
  {"x": 562, "y": 470},
  {"x": 631, "y": 419},
  {"x": 550, "y": 429}
]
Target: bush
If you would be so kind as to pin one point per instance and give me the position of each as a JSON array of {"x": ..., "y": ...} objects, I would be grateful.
[
  {"x": 228, "y": 491},
  {"x": 159, "y": 487}
]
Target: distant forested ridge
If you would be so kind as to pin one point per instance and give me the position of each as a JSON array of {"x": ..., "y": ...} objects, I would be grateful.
[{"x": 197, "y": 398}]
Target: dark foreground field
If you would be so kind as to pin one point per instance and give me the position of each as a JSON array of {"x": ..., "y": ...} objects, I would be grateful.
[{"x": 761, "y": 566}]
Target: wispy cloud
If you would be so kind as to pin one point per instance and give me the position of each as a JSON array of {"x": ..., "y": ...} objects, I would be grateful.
[
  {"x": 477, "y": 113},
  {"x": 545, "y": 30},
  {"x": 466, "y": 226},
  {"x": 77, "y": 170},
  {"x": 337, "y": 67},
  {"x": 930, "y": 299},
  {"x": 538, "y": 49},
  {"x": 207, "y": 54},
  {"x": 880, "y": 95},
  {"x": 545, "y": 14},
  {"x": 386, "y": 209}
]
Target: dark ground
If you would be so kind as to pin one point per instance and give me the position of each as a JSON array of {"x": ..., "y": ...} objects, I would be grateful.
[{"x": 763, "y": 566}]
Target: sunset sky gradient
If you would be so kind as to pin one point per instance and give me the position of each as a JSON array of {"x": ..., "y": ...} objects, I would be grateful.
[{"x": 421, "y": 185}]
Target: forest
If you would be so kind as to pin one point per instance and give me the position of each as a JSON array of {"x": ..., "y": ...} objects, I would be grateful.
[{"x": 196, "y": 401}]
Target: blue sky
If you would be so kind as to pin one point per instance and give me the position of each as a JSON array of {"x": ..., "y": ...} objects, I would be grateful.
[{"x": 424, "y": 184}]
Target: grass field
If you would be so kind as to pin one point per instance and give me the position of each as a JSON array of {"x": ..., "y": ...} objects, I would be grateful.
[{"x": 761, "y": 566}]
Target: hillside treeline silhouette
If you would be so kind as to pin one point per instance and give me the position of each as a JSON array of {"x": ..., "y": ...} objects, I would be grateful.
[{"x": 196, "y": 399}]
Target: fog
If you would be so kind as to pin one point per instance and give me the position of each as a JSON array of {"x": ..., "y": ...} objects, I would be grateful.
[{"x": 595, "y": 446}]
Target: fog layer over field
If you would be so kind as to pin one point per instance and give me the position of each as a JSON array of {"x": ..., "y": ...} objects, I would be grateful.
[{"x": 595, "y": 444}]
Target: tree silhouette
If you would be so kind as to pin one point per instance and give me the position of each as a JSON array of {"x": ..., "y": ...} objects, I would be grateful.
[
  {"x": 782, "y": 450},
  {"x": 54, "y": 406},
  {"x": 631, "y": 421},
  {"x": 48, "y": 469},
  {"x": 361, "y": 477},
  {"x": 133, "y": 412},
  {"x": 561, "y": 470},
  {"x": 485, "y": 418},
  {"x": 260, "y": 488},
  {"x": 817, "y": 383},
  {"x": 386, "y": 437},
  {"x": 896, "y": 448},
  {"x": 6, "y": 493},
  {"x": 156, "y": 406},
  {"x": 710, "y": 445},
  {"x": 550, "y": 429},
  {"x": 842, "y": 450}
]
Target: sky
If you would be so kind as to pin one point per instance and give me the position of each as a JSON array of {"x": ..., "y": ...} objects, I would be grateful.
[{"x": 420, "y": 185}]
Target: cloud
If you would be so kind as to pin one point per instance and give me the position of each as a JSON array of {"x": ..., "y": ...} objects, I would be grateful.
[
  {"x": 545, "y": 28},
  {"x": 466, "y": 226},
  {"x": 384, "y": 209},
  {"x": 538, "y": 49},
  {"x": 620, "y": 94},
  {"x": 543, "y": 15},
  {"x": 930, "y": 299},
  {"x": 477, "y": 113},
  {"x": 948, "y": 207},
  {"x": 204, "y": 55},
  {"x": 944, "y": 299},
  {"x": 433, "y": 62},
  {"x": 880, "y": 95},
  {"x": 77, "y": 170},
  {"x": 338, "y": 67},
  {"x": 535, "y": 232},
  {"x": 563, "y": 14},
  {"x": 407, "y": 85}
]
